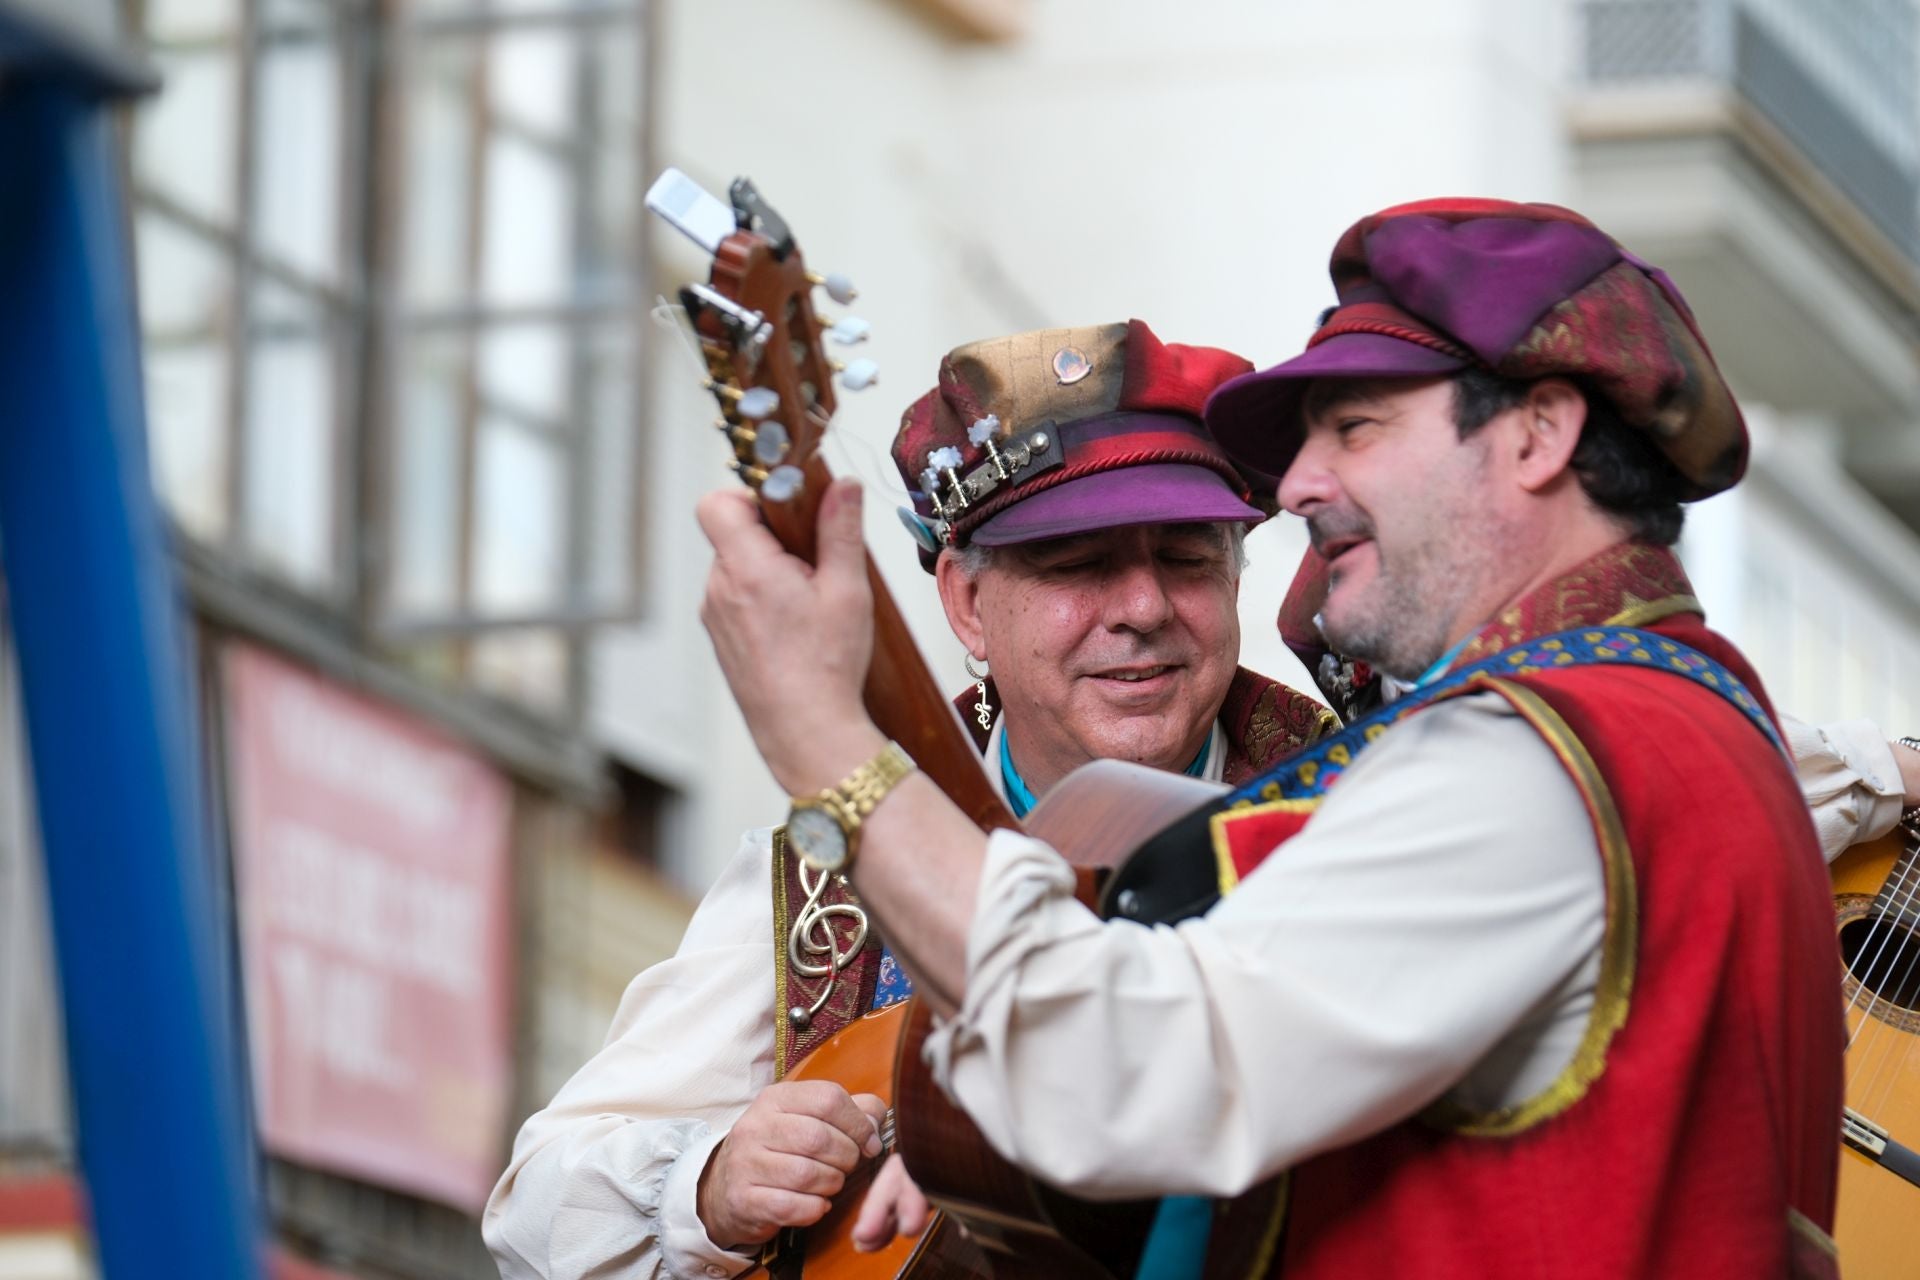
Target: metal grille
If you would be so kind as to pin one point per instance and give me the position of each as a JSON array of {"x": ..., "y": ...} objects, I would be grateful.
[
  {"x": 1876, "y": 179},
  {"x": 1646, "y": 39},
  {"x": 1839, "y": 81}
]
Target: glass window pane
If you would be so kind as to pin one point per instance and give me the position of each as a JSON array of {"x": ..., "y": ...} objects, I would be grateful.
[
  {"x": 425, "y": 511},
  {"x": 519, "y": 521},
  {"x": 528, "y": 236},
  {"x": 185, "y": 138},
  {"x": 292, "y": 471},
  {"x": 440, "y": 100},
  {"x": 531, "y": 81},
  {"x": 611, "y": 255},
  {"x": 186, "y": 410},
  {"x": 611, "y": 471},
  {"x": 179, "y": 20},
  {"x": 524, "y": 367},
  {"x": 297, "y": 140},
  {"x": 185, "y": 291}
]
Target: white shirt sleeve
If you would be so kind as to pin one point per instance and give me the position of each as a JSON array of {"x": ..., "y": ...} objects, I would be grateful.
[
  {"x": 1435, "y": 927},
  {"x": 1849, "y": 778},
  {"x": 603, "y": 1180}
]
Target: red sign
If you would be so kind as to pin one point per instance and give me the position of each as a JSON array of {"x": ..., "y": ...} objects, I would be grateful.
[{"x": 371, "y": 858}]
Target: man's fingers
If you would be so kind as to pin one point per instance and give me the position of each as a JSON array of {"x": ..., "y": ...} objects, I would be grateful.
[
  {"x": 814, "y": 1139},
  {"x": 893, "y": 1206},
  {"x": 857, "y": 1118},
  {"x": 731, "y": 521},
  {"x": 911, "y": 1210},
  {"x": 876, "y": 1224},
  {"x": 842, "y": 557},
  {"x": 781, "y": 1171},
  {"x": 724, "y": 512},
  {"x": 790, "y": 1208}
]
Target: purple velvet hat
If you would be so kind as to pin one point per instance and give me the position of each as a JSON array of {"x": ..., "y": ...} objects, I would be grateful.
[
  {"x": 1064, "y": 431},
  {"x": 1522, "y": 290}
]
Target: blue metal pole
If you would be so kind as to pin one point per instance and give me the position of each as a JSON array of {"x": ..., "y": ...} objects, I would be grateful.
[{"x": 164, "y": 1139}]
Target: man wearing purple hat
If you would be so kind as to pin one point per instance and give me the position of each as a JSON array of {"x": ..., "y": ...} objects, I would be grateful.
[
  {"x": 1540, "y": 981},
  {"x": 1084, "y": 532}
]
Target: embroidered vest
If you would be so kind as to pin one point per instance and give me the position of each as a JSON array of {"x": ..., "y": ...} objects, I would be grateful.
[
  {"x": 1695, "y": 1132},
  {"x": 1264, "y": 722}
]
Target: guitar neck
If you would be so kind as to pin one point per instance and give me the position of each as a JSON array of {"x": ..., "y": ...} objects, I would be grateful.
[{"x": 902, "y": 696}]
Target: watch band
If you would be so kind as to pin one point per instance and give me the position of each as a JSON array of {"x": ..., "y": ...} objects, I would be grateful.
[
  {"x": 868, "y": 784},
  {"x": 856, "y": 795}
]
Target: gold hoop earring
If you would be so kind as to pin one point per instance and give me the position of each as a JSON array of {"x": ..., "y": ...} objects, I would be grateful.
[{"x": 982, "y": 711}]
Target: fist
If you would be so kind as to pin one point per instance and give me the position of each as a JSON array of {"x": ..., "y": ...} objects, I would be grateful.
[{"x": 785, "y": 1159}]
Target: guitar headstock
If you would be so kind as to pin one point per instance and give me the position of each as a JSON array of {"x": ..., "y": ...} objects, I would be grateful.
[{"x": 764, "y": 345}]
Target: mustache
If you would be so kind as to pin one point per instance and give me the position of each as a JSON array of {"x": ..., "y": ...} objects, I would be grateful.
[{"x": 1324, "y": 528}]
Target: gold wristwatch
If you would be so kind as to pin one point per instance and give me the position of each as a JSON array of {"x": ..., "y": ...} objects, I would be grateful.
[{"x": 824, "y": 829}]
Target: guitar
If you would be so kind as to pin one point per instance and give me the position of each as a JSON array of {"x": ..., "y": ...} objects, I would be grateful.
[
  {"x": 763, "y": 347},
  {"x": 1876, "y": 898}
]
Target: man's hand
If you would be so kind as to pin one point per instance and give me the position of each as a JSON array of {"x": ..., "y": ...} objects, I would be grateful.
[
  {"x": 893, "y": 1207},
  {"x": 794, "y": 640},
  {"x": 785, "y": 1159}
]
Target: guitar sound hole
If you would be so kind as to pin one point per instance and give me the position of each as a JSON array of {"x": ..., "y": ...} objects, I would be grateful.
[{"x": 1883, "y": 957}]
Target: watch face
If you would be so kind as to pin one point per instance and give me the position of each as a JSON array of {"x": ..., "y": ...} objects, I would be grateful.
[{"x": 816, "y": 837}]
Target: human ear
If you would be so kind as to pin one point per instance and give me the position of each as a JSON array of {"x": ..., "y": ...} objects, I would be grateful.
[
  {"x": 1553, "y": 416},
  {"x": 960, "y": 597}
]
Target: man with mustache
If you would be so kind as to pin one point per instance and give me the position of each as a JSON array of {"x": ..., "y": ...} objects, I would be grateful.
[
  {"x": 1099, "y": 579},
  {"x": 1543, "y": 986}
]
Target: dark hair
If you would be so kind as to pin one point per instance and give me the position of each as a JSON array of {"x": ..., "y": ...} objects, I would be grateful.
[{"x": 1619, "y": 467}]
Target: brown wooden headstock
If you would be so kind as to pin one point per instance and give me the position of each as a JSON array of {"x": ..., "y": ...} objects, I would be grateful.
[{"x": 767, "y": 365}]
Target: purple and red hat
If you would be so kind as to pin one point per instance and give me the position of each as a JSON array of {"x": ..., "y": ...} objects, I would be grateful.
[
  {"x": 1065, "y": 431},
  {"x": 1523, "y": 291}
]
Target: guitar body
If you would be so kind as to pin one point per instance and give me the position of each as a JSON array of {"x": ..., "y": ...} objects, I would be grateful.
[
  {"x": 861, "y": 1059},
  {"x": 1877, "y": 1225},
  {"x": 1093, "y": 818}
]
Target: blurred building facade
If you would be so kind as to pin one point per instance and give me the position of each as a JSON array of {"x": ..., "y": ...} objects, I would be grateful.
[{"x": 432, "y": 464}]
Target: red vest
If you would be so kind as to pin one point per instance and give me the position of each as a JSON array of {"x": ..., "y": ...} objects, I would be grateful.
[{"x": 1696, "y": 1134}]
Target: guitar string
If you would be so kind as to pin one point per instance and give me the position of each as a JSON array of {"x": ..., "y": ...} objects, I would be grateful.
[
  {"x": 1902, "y": 897},
  {"x": 1897, "y": 976},
  {"x": 1904, "y": 1054},
  {"x": 1866, "y": 1036},
  {"x": 1883, "y": 928},
  {"x": 856, "y": 456},
  {"x": 673, "y": 316}
]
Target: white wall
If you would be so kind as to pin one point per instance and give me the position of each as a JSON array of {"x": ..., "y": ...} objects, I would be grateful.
[{"x": 1188, "y": 165}]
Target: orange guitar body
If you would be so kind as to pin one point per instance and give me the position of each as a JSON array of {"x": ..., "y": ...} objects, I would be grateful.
[
  {"x": 861, "y": 1060},
  {"x": 1878, "y": 1222}
]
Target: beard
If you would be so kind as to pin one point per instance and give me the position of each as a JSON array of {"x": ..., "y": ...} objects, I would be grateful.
[
  {"x": 1391, "y": 624},
  {"x": 1427, "y": 573}
]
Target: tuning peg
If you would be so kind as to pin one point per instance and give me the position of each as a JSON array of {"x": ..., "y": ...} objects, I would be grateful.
[
  {"x": 782, "y": 484},
  {"x": 757, "y": 403},
  {"x": 848, "y": 330},
  {"x": 770, "y": 443},
  {"x": 838, "y": 287},
  {"x": 859, "y": 375}
]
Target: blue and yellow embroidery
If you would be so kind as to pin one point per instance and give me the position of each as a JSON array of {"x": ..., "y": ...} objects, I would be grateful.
[{"x": 1314, "y": 770}]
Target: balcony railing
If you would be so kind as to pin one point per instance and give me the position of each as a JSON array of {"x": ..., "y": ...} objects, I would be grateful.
[{"x": 1838, "y": 81}]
